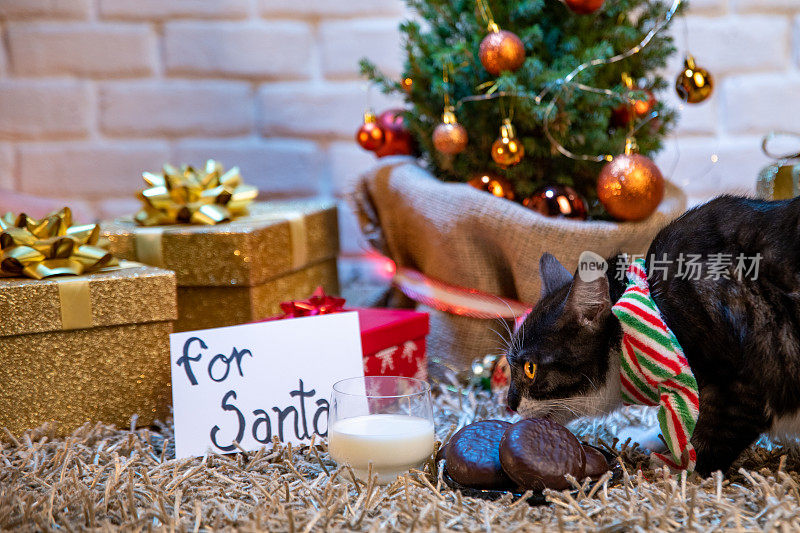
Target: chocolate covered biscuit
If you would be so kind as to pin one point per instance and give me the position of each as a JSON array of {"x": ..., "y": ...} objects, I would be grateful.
[
  {"x": 473, "y": 458},
  {"x": 537, "y": 454}
]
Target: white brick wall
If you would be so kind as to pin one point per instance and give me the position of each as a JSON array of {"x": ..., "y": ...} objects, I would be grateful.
[{"x": 94, "y": 91}]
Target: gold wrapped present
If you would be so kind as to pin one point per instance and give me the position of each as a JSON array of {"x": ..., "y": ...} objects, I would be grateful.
[
  {"x": 83, "y": 337},
  {"x": 238, "y": 271},
  {"x": 199, "y": 306}
]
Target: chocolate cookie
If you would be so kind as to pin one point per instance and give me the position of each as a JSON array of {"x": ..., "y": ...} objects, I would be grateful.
[
  {"x": 537, "y": 453},
  {"x": 473, "y": 457},
  {"x": 596, "y": 464}
]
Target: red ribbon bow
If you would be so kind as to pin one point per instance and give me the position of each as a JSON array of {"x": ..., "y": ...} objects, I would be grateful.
[{"x": 318, "y": 304}]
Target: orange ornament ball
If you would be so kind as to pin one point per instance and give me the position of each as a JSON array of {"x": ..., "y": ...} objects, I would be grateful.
[
  {"x": 584, "y": 7},
  {"x": 450, "y": 138},
  {"x": 507, "y": 150},
  {"x": 501, "y": 50},
  {"x": 398, "y": 138},
  {"x": 370, "y": 136},
  {"x": 494, "y": 185},
  {"x": 630, "y": 187}
]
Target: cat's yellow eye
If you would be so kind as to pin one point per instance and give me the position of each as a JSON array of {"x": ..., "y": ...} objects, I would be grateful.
[{"x": 530, "y": 369}]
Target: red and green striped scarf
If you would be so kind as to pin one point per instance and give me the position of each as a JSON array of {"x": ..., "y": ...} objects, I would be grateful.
[{"x": 654, "y": 370}]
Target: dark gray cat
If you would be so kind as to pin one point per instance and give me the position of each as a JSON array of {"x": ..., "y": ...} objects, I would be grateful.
[{"x": 738, "y": 322}]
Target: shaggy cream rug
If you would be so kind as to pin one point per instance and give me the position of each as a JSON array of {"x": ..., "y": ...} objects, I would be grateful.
[{"x": 105, "y": 478}]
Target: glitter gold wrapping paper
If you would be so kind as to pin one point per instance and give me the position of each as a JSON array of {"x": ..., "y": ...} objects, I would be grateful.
[
  {"x": 211, "y": 307},
  {"x": 240, "y": 271},
  {"x": 248, "y": 251},
  {"x": 108, "y": 372}
]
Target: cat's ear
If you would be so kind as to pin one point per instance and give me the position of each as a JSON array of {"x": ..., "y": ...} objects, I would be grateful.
[
  {"x": 553, "y": 274},
  {"x": 589, "y": 301}
]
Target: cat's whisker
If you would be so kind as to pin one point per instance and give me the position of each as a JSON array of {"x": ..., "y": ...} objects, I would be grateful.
[
  {"x": 513, "y": 345},
  {"x": 503, "y": 323},
  {"x": 505, "y": 343},
  {"x": 507, "y": 328},
  {"x": 499, "y": 334},
  {"x": 509, "y": 307}
]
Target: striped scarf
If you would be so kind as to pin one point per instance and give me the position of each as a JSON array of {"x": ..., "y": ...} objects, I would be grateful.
[{"x": 654, "y": 370}]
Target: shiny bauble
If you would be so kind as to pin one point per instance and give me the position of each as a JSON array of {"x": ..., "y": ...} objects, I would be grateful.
[
  {"x": 501, "y": 376},
  {"x": 370, "y": 135},
  {"x": 493, "y": 184},
  {"x": 584, "y": 7},
  {"x": 450, "y": 137},
  {"x": 557, "y": 201},
  {"x": 622, "y": 116},
  {"x": 694, "y": 84},
  {"x": 507, "y": 150},
  {"x": 630, "y": 187},
  {"x": 501, "y": 50},
  {"x": 398, "y": 138}
]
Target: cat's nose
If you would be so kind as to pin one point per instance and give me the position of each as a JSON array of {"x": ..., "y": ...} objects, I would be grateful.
[{"x": 512, "y": 399}]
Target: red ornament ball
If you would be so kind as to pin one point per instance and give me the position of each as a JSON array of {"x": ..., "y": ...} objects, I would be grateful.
[
  {"x": 501, "y": 50},
  {"x": 501, "y": 376},
  {"x": 584, "y": 7},
  {"x": 370, "y": 136},
  {"x": 398, "y": 140},
  {"x": 622, "y": 115},
  {"x": 557, "y": 201},
  {"x": 630, "y": 187}
]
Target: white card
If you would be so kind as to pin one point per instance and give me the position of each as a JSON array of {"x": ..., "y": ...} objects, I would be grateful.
[{"x": 246, "y": 383}]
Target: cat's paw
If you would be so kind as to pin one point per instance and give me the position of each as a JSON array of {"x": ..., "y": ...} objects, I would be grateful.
[{"x": 646, "y": 436}]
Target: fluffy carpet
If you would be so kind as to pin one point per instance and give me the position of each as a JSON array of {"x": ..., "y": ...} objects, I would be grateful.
[{"x": 104, "y": 478}]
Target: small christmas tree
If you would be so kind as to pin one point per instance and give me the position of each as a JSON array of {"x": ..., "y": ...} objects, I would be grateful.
[{"x": 442, "y": 60}]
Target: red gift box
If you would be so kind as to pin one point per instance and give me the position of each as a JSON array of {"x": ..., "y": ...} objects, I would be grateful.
[{"x": 392, "y": 340}]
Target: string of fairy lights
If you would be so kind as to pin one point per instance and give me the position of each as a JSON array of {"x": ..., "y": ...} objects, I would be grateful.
[
  {"x": 501, "y": 50},
  {"x": 567, "y": 81}
]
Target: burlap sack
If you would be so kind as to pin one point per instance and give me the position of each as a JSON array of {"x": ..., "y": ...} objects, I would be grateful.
[{"x": 457, "y": 234}]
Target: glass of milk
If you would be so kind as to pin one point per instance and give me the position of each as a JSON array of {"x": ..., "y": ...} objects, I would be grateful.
[{"x": 383, "y": 420}]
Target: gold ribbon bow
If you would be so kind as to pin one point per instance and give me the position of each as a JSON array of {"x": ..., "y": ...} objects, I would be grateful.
[
  {"x": 194, "y": 196},
  {"x": 50, "y": 246}
]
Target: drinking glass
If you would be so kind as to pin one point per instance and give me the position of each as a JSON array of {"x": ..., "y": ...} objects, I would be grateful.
[{"x": 383, "y": 420}]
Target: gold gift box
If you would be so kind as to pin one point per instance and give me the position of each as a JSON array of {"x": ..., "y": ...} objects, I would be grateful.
[
  {"x": 200, "y": 305},
  {"x": 239, "y": 271},
  {"x": 86, "y": 348}
]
